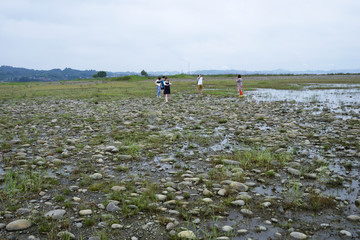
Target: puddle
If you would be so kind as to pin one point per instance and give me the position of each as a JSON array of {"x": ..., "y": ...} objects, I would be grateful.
[
  {"x": 343, "y": 102},
  {"x": 335, "y": 97}
]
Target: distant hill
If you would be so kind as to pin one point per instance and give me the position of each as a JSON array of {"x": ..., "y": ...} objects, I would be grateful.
[{"x": 14, "y": 74}]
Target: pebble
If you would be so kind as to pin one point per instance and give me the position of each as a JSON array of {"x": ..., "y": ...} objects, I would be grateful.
[
  {"x": 238, "y": 203},
  {"x": 2, "y": 225},
  {"x": 354, "y": 218},
  {"x": 207, "y": 200},
  {"x": 85, "y": 212},
  {"x": 345, "y": 233},
  {"x": 246, "y": 212},
  {"x": 23, "y": 211},
  {"x": 298, "y": 235},
  {"x": 170, "y": 226},
  {"x": 96, "y": 176},
  {"x": 187, "y": 235},
  {"x": 111, "y": 207},
  {"x": 65, "y": 234},
  {"x": 117, "y": 226},
  {"x": 293, "y": 171},
  {"x": 227, "y": 228},
  {"x": 161, "y": 197},
  {"x": 242, "y": 231},
  {"x": 239, "y": 186},
  {"x": 118, "y": 188},
  {"x": 260, "y": 228},
  {"x": 207, "y": 193},
  {"x": 222, "y": 192}
]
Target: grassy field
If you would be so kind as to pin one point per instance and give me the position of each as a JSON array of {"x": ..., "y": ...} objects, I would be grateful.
[{"x": 117, "y": 88}]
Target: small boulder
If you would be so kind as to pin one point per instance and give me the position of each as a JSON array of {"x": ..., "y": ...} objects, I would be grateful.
[
  {"x": 56, "y": 214},
  {"x": 187, "y": 235},
  {"x": 18, "y": 225}
]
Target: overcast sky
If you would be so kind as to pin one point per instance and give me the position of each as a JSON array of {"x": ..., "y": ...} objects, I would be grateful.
[{"x": 181, "y": 35}]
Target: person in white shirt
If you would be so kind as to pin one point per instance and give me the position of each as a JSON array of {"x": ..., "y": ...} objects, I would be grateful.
[
  {"x": 158, "y": 86},
  {"x": 200, "y": 84}
]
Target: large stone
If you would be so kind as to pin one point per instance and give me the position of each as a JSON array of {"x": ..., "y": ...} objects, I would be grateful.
[
  {"x": 18, "y": 225},
  {"x": 56, "y": 214}
]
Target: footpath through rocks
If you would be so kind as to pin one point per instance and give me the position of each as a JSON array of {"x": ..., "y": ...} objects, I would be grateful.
[{"x": 196, "y": 168}]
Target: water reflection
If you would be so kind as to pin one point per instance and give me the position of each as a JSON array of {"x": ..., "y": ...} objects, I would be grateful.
[{"x": 338, "y": 95}]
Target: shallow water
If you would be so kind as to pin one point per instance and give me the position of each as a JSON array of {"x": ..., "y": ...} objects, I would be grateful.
[{"x": 336, "y": 97}]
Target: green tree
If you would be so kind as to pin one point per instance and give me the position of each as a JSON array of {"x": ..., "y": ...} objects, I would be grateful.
[
  {"x": 100, "y": 74},
  {"x": 144, "y": 73}
]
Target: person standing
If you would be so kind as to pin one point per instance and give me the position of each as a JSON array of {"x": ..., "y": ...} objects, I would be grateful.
[
  {"x": 158, "y": 86},
  {"x": 239, "y": 83},
  {"x": 162, "y": 84},
  {"x": 200, "y": 84},
  {"x": 167, "y": 85}
]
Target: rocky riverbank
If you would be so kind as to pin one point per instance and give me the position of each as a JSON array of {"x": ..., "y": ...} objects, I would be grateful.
[{"x": 197, "y": 168}]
